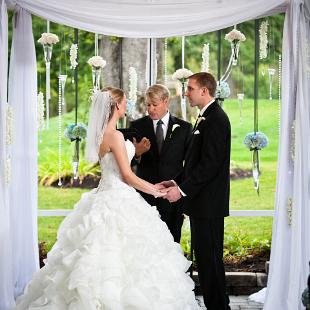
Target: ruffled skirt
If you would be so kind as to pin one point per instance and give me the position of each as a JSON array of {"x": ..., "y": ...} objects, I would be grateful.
[{"x": 112, "y": 252}]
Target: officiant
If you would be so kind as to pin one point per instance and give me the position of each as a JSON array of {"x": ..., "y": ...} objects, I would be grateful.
[{"x": 160, "y": 153}]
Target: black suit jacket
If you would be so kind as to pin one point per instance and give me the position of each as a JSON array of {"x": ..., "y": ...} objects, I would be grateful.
[
  {"x": 155, "y": 167},
  {"x": 206, "y": 177}
]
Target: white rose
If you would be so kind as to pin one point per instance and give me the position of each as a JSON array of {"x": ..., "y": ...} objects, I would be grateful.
[
  {"x": 181, "y": 74},
  {"x": 97, "y": 61},
  {"x": 48, "y": 38},
  {"x": 235, "y": 35}
]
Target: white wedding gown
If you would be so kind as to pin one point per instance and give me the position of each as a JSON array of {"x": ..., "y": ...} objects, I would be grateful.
[{"x": 112, "y": 252}]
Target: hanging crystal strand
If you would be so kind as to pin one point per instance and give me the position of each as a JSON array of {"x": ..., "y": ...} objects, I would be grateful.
[
  {"x": 271, "y": 73},
  {"x": 166, "y": 61},
  {"x": 75, "y": 161},
  {"x": 183, "y": 99},
  {"x": 240, "y": 97},
  {"x": 59, "y": 131},
  {"x": 47, "y": 55},
  {"x": 63, "y": 79}
]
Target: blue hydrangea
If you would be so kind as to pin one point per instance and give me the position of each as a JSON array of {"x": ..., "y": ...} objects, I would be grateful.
[
  {"x": 75, "y": 131},
  {"x": 255, "y": 140},
  {"x": 130, "y": 108},
  {"x": 222, "y": 90}
]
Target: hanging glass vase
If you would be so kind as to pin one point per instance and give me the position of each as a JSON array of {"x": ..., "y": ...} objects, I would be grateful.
[
  {"x": 271, "y": 73},
  {"x": 255, "y": 169},
  {"x": 240, "y": 97},
  {"x": 96, "y": 72},
  {"x": 63, "y": 79},
  {"x": 76, "y": 158},
  {"x": 235, "y": 51},
  {"x": 48, "y": 49}
]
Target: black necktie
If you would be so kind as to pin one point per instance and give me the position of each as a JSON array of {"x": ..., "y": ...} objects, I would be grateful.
[
  {"x": 197, "y": 122},
  {"x": 159, "y": 135}
]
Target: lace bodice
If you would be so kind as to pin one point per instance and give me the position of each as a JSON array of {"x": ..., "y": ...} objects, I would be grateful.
[{"x": 110, "y": 173}]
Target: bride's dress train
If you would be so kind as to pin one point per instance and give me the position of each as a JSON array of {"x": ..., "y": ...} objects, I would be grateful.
[{"x": 112, "y": 252}]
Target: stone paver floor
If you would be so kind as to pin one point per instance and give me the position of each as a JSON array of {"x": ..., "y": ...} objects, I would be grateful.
[{"x": 236, "y": 303}]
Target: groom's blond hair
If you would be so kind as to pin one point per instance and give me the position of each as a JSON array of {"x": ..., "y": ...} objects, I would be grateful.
[{"x": 157, "y": 92}]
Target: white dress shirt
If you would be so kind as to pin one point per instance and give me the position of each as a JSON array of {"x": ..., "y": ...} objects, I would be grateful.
[{"x": 165, "y": 124}]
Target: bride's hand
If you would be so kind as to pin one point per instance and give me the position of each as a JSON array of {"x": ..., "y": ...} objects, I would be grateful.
[
  {"x": 160, "y": 192},
  {"x": 159, "y": 186}
]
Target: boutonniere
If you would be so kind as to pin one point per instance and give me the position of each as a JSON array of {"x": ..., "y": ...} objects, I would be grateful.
[
  {"x": 200, "y": 119},
  {"x": 175, "y": 126}
]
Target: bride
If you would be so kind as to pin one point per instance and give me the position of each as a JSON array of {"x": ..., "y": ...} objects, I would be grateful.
[{"x": 113, "y": 251}]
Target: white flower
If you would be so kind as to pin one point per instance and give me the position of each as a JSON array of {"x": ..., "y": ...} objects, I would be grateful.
[
  {"x": 133, "y": 81},
  {"x": 8, "y": 171},
  {"x": 174, "y": 126},
  {"x": 199, "y": 120},
  {"x": 263, "y": 40},
  {"x": 9, "y": 124},
  {"x": 73, "y": 55},
  {"x": 289, "y": 208},
  {"x": 40, "y": 111},
  {"x": 205, "y": 58},
  {"x": 48, "y": 38},
  {"x": 97, "y": 62},
  {"x": 181, "y": 74},
  {"x": 235, "y": 35}
]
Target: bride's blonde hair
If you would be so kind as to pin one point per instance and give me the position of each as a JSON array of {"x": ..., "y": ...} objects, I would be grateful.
[{"x": 117, "y": 95}]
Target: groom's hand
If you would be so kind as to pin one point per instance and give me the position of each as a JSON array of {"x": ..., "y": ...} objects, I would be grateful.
[
  {"x": 173, "y": 194},
  {"x": 143, "y": 146},
  {"x": 166, "y": 183}
]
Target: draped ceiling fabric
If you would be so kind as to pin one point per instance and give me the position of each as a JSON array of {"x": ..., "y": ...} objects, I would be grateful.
[
  {"x": 165, "y": 18},
  {"x": 151, "y": 18}
]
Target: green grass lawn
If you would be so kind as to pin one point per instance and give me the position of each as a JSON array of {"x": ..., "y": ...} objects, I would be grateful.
[{"x": 240, "y": 232}]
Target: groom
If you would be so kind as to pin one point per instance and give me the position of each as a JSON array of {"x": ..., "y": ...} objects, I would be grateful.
[
  {"x": 161, "y": 152},
  {"x": 205, "y": 187}
]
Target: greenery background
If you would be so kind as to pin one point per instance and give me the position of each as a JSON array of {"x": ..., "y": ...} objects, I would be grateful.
[{"x": 241, "y": 233}]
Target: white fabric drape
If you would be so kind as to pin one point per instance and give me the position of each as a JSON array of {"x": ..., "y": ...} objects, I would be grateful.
[
  {"x": 291, "y": 243},
  {"x": 161, "y": 18},
  {"x": 151, "y": 19},
  {"x": 6, "y": 281},
  {"x": 23, "y": 189}
]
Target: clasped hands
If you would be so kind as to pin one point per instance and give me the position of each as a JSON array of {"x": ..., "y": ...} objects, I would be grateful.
[{"x": 169, "y": 190}]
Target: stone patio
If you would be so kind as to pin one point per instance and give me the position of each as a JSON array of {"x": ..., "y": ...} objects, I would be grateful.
[{"x": 236, "y": 303}]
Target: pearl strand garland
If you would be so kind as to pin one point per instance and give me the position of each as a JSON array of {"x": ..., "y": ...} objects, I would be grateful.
[
  {"x": 166, "y": 61},
  {"x": 59, "y": 131}
]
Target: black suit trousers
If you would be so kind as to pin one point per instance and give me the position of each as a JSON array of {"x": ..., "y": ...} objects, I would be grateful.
[{"x": 207, "y": 241}]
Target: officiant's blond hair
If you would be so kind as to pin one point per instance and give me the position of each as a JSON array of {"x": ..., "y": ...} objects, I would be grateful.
[{"x": 157, "y": 92}]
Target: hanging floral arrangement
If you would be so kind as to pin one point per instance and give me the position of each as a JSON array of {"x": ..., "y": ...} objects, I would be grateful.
[
  {"x": 48, "y": 40},
  {"x": 256, "y": 141},
  {"x": 205, "y": 58},
  {"x": 222, "y": 90},
  {"x": 73, "y": 56},
  {"x": 40, "y": 111},
  {"x": 76, "y": 132},
  {"x": 263, "y": 40},
  {"x": 97, "y": 63},
  {"x": 235, "y": 37},
  {"x": 181, "y": 75}
]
